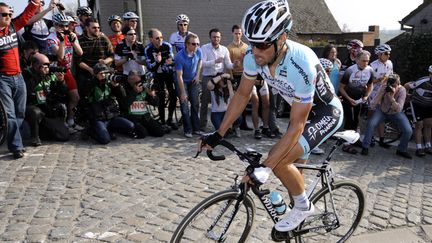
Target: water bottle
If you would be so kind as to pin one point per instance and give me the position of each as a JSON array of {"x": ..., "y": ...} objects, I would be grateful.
[{"x": 277, "y": 202}]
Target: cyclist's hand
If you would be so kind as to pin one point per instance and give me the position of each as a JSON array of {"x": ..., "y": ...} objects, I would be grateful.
[
  {"x": 259, "y": 175},
  {"x": 210, "y": 140}
]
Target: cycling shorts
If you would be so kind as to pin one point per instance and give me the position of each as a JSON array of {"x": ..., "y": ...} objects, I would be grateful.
[
  {"x": 323, "y": 121},
  {"x": 263, "y": 91},
  {"x": 421, "y": 112},
  {"x": 70, "y": 80}
]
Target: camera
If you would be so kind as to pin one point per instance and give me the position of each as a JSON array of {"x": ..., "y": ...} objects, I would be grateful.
[
  {"x": 117, "y": 78},
  {"x": 57, "y": 69},
  {"x": 147, "y": 80},
  {"x": 390, "y": 82}
]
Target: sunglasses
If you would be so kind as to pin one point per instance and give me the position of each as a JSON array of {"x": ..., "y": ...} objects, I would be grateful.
[
  {"x": 6, "y": 14},
  {"x": 159, "y": 38},
  {"x": 96, "y": 28},
  {"x": 62, "y": 25},
  {"x": 387, "y": 53},
  {"x": 45, "y": 65},
  {"x": 131, "y": 34},
  {"x": 262, "y": 46},
  {"x": 183, "y": 24},
  {"x": 42, "y": 3},
  {"x": 194, "y": 43}
]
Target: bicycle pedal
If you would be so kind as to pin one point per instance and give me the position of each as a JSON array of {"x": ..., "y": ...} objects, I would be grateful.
[{"x": 279, "y": 236}]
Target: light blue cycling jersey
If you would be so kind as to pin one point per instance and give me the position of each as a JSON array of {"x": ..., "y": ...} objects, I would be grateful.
[{"x": 299, "y": 77}]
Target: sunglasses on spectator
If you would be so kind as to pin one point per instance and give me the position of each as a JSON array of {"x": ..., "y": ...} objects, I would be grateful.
[
  {"x": 387, "y": 53},
  {"x": 159, "y": 38},
  {"x": 133, "y": 20},
  {"x": 62, "y": 25},
  {"x": 183, "y": 24},
  {"x": 45, "y": 65},
  {"x": 194, "y": 43},
  {"x": 96, "y": 28},
  {"x": 262, "y": 46},
  {"x": 6, "y": 14},
  {"x": 131, "y": 34}
]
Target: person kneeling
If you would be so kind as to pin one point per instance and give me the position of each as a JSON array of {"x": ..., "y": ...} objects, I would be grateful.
[
  {"x": 47, "y": 96},
  {"x": 390, "y": 99},
  {"x": 139, "y": 92},
  {"x": 104, "y": 109}
]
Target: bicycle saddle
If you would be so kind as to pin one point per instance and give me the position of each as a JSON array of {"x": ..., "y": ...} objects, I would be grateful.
[{"x": 350, "y": 136}]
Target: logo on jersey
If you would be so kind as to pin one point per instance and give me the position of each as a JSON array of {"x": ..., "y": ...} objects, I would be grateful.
[
  {"x": 322, "y": 126},
  {"x": 301, "y": 71},
  {"x": 9, "y": 40}
]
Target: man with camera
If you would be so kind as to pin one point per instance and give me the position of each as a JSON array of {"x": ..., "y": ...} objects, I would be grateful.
[
  {"x": 139, "y": 93},
  {"x": 46, "y": 98},
  {"x": 104, "y": 110},
  {"x": 388, "y": 105},
  {"x": 61, "y": 45}
]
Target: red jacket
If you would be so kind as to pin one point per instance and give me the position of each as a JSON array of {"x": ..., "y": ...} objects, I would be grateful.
[{"x": 9, "y": 55}]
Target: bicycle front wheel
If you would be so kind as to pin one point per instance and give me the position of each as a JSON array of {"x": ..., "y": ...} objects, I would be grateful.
[
  {"x": 341, "y": 220},
  {"x": 216, "y": 220}
]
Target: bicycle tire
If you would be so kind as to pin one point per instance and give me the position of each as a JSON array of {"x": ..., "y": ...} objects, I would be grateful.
[
  {"x": 3, "y": 124},
  {"x": 194, "y": 227},
  {"x": 349, "y": 203},
  {"x": 391, "y": 133}
]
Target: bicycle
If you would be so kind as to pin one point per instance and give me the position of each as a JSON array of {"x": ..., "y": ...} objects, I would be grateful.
[
  {"x": 228, "y": 216},
  {"x": 3, "y": 123}
]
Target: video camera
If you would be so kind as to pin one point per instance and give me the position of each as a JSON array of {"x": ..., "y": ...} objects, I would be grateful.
[
  {"x": 57, "y": 69},
  {"x": 147, "y": 80}
]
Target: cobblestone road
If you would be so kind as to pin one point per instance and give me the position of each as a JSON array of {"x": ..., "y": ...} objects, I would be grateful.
[{"x": 138, "y": 190}]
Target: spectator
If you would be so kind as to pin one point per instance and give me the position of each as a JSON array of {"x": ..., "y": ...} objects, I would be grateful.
[
  {"x": 354, "y": 48},
  {"x": 356, "y": 86},
  {"x": 237, "y": 50},
  {"x": 12, "y": 85},
  {"x": 221, "y": 92},
  {"x": 61, "y": 45},
  {"x": 96, "y": 49},
  {"x": 104, "y": 110},
  {"x": 28, "y": 49},
  {"x": 188, "y": 63},
  {"x": 177, "y": 39},
  {"x": 46, "y": 98},
  {"x": 73, "y": 22},
  {"x": 129, "y": 53},
  {"x": 389, "y": 103},
  {"x": 84, "y": 13},
  {"x": 330, "y": 53},
  {"x": 115, "y": 24},
  {"x": 422, "y": 106},
  {"x": 382, "y": 67},
  {"x": 216, "y": 60},
  {"x": 130, "y": 20},
  {"x": 159, "y": 56},
  {"x": 134, "y": 107},
  {"x": 38, "y": 28}
]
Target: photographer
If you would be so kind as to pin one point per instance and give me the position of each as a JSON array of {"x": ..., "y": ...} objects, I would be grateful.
[
  {"x": 61, "y": 45},
  {"x": 104, "y": 109},
  {"x": 388, "y": 105},
  {"x": 46, "y": 99},
  {"x": 139, "y": 93}
]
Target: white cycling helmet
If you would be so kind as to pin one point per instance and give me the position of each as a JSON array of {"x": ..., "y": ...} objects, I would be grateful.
[
  {"x": 182, "y": 18},
  {"x": 266, "y": 21},
  {"x": 355, "y": 44},
  {"x": 430, "y": 69},
  {"x": 382, "y": 48},
  {"x": 114, "y": 18},
  {"x": 326, "y": 63},
  {"x": 130, "y": 15},
  {"x": 60, "y": 19},
  {"x": 84, "y": 10}
]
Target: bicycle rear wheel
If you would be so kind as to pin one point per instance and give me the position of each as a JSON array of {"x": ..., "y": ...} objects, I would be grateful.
[
  {"x": 3, "y": 124},
  {"x": 349, "y": 203},
  {"x": 209, "y": 219}
]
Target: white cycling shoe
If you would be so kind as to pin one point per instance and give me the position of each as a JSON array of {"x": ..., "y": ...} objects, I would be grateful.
[{"x": 294, "y": 219}]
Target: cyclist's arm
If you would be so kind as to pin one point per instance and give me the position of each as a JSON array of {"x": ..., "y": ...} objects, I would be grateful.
[
  {"x": 298, "y": 117},
  {"x": 237, "y": 104}
]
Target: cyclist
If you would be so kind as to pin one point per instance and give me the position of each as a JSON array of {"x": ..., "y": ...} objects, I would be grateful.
[
  {"x": 130, "y": 20},
  {"x": 354, "y": 47},
  {"x": 83, "y": 14},
  {"x": 294, "y": 71},
  {"x": 422, "y": 105},
  {"x": 177, "y": 38},
  {"x": 115, "y": 24}
]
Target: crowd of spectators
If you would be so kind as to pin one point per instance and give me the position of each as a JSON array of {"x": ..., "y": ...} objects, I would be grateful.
[{"x": 65, "y": 76}]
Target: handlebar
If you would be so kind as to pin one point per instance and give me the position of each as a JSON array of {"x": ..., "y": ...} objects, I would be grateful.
[{"x": 250, "y": 157}]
